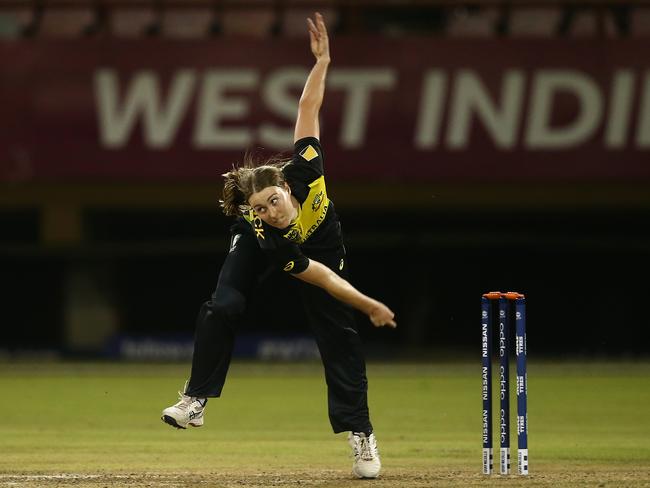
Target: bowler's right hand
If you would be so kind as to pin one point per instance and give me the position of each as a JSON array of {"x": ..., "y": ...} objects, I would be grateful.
[{"x": 380, "y": 316}]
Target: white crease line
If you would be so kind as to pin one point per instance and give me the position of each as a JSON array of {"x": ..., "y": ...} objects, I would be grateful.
[{"x": 58, "y": 476}]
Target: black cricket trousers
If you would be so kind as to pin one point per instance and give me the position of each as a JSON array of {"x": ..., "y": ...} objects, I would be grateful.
[{"x": 332, "y": 323}]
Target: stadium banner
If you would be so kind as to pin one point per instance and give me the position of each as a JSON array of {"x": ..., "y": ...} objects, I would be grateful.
[
  {"x": 180, "y": 347},
  {"x": 412, "y": 109}
]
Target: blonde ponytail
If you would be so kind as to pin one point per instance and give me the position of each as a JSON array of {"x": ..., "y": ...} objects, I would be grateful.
[{"x": 233, "y": 202}]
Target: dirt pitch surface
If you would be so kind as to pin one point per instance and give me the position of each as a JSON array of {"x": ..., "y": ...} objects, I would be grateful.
[{"x": 332, "y": 478}]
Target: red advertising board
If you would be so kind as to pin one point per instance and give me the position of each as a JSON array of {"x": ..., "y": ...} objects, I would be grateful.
[{"x": 413, "y": 109}]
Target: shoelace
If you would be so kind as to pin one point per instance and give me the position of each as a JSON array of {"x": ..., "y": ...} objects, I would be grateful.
[
  {"x": 364, "y": 449},
  {"x": 367, "y": 453},
  {"x": 184, "y": 399}
]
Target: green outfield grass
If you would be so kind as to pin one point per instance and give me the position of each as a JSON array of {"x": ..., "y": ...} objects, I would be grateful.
[{"x": 97, "y": 425}]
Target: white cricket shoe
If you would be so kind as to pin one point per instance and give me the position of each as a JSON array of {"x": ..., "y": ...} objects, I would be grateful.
[
  {"x": 188, "y": 411},
  {"x": 366, "y": 456}
]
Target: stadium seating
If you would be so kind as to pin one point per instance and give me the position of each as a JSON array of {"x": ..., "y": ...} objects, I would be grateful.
[
  {"x": 640, "y": 23},
  {"x": 472, "y": 23},
  {"x": 13, "y": 22},
  {"x": 65, "y": 22},
  {"x": 534, "y": 22},
  {"x": 186, "y": 23},
  {"x": 131, "y": 22}
]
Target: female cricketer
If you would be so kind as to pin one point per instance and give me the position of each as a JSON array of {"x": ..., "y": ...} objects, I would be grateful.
[{"x": 285, "y": 219}]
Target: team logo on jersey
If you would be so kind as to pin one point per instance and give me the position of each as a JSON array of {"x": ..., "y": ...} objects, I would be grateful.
[
  {"x": 341, "y": 264},
  {"x": 318, "y": 200},
  {"x": 292, "y": 235},
  {"x": 309, "y": 153},
  {"x": 289, "y": 266}
]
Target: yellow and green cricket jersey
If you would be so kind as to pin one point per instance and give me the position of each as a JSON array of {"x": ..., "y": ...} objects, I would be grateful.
[{"x": 316, "y": 228}]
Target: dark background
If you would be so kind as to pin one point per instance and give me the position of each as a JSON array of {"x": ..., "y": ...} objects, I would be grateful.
[
  {"x": 584, "y": 272},
  {"x": 582, "y": 259}
]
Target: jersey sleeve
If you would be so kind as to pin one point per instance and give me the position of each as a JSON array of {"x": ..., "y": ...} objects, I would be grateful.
[
  {"x": 308, "y": 155},
  {"x": 289, "y": 258}
]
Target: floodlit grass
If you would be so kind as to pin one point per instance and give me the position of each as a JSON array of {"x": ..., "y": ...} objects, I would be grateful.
[{"x": 589, "y": 426}]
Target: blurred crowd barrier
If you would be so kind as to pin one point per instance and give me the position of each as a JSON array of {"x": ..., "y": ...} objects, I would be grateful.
[{"x": 195, "y": 19}]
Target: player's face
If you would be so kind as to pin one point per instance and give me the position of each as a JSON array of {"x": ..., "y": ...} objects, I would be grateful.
[{"x": 273, "y": 205}]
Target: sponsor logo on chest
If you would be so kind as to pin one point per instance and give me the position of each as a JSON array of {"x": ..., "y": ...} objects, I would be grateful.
[{"x": 317, "y": 202}]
